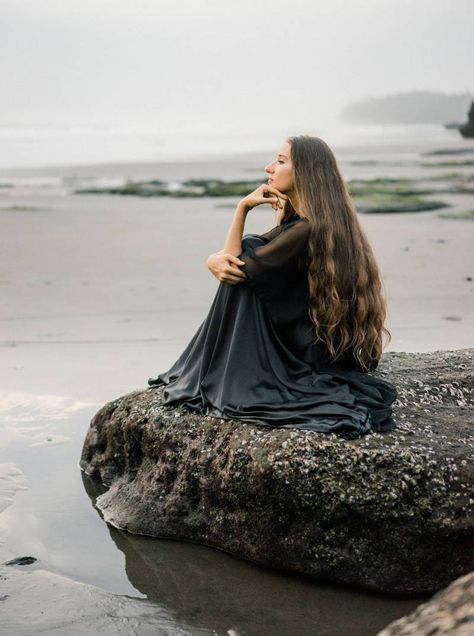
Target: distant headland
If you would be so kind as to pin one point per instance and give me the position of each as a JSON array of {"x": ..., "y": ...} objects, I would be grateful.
[{"x": 414, "y": 107}]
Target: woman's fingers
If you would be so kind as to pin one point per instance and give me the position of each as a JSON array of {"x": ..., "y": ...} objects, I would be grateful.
[
  {"x": 275, "y": 203},
  {"x": 231, "y": 278},
  {"x": 264, "y": 193},
  {"x": 235, "y": 259},
  {"x": 270, "y": 200},
  {"x": 232, "y": 263},
  {"x": 269, "y": 188},
  {"x": 234, "y": 271}
]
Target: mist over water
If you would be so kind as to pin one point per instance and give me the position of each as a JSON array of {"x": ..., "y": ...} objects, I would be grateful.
[{"x": 27, "y": 146}]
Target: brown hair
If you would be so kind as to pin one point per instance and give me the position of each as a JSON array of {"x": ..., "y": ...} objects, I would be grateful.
[{"x": 347, "y": 304}]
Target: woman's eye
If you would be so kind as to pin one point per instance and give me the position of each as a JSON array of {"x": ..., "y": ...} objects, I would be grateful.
[{"x": 281, "y": 162}]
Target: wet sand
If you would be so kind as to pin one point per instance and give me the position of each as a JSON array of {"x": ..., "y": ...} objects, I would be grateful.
[{"x": 111, "y": 270}]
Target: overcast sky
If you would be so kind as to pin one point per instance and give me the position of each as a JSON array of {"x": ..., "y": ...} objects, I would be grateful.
[{"x": 220, "y": 64}]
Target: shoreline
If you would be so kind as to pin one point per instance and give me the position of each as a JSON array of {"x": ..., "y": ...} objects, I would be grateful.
[{"x": 101, "y": 292}]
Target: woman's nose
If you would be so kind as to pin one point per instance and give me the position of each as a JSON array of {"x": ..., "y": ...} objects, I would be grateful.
[{"x": 268, "y": 168}]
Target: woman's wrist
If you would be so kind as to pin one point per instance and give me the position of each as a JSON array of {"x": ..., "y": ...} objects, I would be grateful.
[{"x": 243, "y": 207}]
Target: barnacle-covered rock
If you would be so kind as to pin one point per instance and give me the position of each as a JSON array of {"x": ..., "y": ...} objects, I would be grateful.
[
  {"x": 390, "y": 511},
  {"x": 449, "y": 613}
]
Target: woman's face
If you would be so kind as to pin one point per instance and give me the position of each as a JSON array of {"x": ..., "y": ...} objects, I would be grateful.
[{"x": 280, "y": 171}]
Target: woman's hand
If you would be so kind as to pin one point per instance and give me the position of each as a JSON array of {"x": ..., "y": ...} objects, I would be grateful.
[
  {"x": 264, "y": 194},
  {"x": 224, "y": 268}
]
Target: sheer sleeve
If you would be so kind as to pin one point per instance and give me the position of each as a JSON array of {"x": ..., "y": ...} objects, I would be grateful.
[
  {"x": 277, "y": 271},
  {"x": 273, "y": 233},
  {"x": 264, "y": 262}
]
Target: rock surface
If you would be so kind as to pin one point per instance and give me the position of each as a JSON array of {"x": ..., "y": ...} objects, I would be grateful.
[
  {"x": 391, "y": 512},
  {"x": 449, "y": 613},
  {"x": 467, "y": 129}
]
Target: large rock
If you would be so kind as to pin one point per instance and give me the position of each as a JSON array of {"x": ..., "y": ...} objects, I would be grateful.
[
  {"x": 391, "y": 511},
  {"x": 449, "y": 613},
  {"x": 467, "y": 129}
]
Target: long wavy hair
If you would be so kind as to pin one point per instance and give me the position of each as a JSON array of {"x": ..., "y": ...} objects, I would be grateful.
[{"x": 347, "y": 305}]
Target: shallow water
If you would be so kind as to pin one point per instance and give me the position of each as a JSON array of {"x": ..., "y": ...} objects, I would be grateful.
[
  {"x": 54, "y": 520},
  {"x": 100, "y": 293}
]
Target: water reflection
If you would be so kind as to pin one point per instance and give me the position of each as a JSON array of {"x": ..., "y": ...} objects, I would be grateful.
[{"x": 208, "y": 588}]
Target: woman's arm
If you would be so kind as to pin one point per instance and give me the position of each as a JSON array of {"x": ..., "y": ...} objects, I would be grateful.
[
  {"x": 266, "y": 264},
  {"x": 233, "y": 242},
  {"x": 225, "y": 268},
  {"x": 263, "y": 194},
  {"x": 224, "y": 264}
]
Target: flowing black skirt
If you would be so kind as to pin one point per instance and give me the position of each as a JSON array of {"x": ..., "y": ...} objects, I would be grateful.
[{"x": 237, "y": 366}]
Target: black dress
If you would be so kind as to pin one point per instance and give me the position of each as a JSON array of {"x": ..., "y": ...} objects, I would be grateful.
[{"x": 254, "y": 359}]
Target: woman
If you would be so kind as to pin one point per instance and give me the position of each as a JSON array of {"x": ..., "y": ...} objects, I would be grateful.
[{"x": 298, "y": 318}]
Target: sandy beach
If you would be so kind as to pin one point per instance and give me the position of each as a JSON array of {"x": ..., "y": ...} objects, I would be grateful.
[{"x": 99, "y": 293}]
